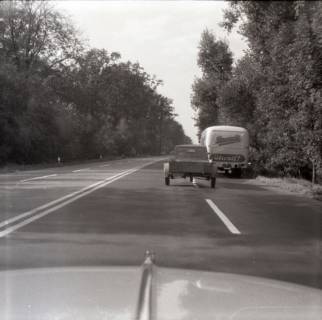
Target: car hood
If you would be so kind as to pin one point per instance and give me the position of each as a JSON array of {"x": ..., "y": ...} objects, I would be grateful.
[{"x": 117, "y": 293}]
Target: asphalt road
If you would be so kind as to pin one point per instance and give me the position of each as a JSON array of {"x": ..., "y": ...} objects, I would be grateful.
[{"x": 110, "y": 213}]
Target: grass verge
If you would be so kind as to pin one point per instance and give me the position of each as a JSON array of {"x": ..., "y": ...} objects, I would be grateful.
[
  {"x": 293, "y": 185},
  {"x": 13, "y": 167}
]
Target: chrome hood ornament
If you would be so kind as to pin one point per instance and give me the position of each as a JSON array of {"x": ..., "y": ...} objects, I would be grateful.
[{"x": 144, "y": 306}]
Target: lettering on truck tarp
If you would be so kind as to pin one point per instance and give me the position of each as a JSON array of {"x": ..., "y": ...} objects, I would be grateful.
[
  {"x": 227, "y": 140},
  {"x": 228, "y": 157}
]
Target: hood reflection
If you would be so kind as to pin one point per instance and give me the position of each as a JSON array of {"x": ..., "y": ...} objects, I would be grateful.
[{"x": 170, "y": 298}]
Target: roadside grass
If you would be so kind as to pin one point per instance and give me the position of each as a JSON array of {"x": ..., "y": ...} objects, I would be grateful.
[
  {"x": 13, "y": 167},
  {"x": 294, "y": 185}
]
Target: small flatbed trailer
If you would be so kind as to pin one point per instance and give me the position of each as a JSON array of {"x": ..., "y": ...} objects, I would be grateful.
[{"x": 190, "y": 161}]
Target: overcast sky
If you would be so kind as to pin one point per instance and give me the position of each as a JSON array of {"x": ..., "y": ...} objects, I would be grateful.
[{"x": 163, "y": 36}]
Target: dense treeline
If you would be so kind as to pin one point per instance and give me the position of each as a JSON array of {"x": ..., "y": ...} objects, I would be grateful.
[
  {"x": 60, "y": 98},
  {"x": 275, "y": 90}
]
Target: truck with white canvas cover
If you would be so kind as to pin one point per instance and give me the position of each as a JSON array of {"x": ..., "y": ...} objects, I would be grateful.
[{"x": 228, "y": 147}]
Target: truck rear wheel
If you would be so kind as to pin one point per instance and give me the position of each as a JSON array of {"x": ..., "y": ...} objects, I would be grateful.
[
  {"x": 167, "y": 181},
  {"x": 213, "y": 182}
]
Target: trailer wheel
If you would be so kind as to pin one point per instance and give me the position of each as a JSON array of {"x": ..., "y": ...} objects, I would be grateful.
[
  {"x": 236, "y": 173},
  {"x": 191, "y": 178},
  {"x": 167, "y": 181},
  {"x": 213, "y": 182}
]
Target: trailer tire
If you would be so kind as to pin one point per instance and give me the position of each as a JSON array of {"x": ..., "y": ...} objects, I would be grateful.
[
  {"x": 191, "y": 178},
  {"x": 213, "y": 182},
  {"x": 236, "y": 173},
  {"x": 167, "y": 181}
]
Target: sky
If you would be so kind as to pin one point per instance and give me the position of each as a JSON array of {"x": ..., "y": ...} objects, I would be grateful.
[{"x": 163, "y": 36}]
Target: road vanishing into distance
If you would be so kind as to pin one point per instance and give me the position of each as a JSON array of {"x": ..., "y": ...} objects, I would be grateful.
[{"x": 110, "y": 213}]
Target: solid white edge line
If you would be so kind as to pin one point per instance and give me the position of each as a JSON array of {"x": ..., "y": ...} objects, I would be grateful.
[
  {"x": 223, "y": 217},
  {"x": 46, "y": 212},
  {"x": 79, "y": 194},
  {"x": 41, "y": 177},
  {"x": 49, "y": 204}
]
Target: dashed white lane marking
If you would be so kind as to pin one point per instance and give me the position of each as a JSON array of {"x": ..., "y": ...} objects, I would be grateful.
[
  {"x": 223, "y": 217},
  {"x": 49, "y": 207},
  {"x": 37, "y": 178},
  {"x": 79, "y": 170},
  {"x": 105, "y": 165}
]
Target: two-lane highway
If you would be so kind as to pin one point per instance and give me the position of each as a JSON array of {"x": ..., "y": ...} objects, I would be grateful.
[{"x": 111, "y": 212}]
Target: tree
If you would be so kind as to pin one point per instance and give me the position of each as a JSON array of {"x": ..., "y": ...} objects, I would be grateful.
[
  {"x": 215, "y": 62},
  {"x": 119, "y": 109},
  {"x": 236, "y": 101},
  {"x": 59, "y": 99},
  {"x": 34, "y": 32},
  {"x": 285, "y": 44},
  {"x": 35, "y": 43},
  {"x": 174, "y": 135}
]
